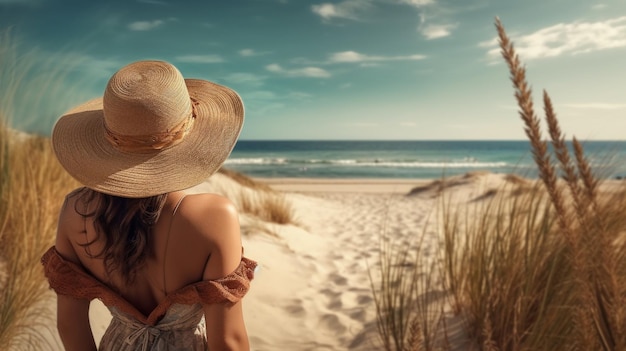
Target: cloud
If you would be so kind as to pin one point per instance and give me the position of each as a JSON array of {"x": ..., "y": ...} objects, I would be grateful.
[
  {"x": 596, "y": 106},
  {"x": 355, "y": 57},
  {"x": 245, "y": 78},
  {"x": 251, "y": 52},
  {"x": 350, "y": 9},
  {"x": 436, "y": 31},
  {"x": 598, "y": 6},
  {"x": 145, "y": 25},
  {"x": 417, "y": 3},
  {"x": 566, "y": 39},
  {"x": 311, "y": 72},
  {"x": 200, "y": 58}
]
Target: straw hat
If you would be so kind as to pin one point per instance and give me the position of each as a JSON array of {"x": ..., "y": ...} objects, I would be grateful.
[{"x": 152, "y": 132}]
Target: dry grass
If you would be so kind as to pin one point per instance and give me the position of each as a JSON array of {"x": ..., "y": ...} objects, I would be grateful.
[
  {"x": 244, "y": 180},
  {"x": 254, "y": 198},
  {"x": 409, "y": 315},
  {"x": 539, "y": 266},
  {"x": 33, "y": 187}
]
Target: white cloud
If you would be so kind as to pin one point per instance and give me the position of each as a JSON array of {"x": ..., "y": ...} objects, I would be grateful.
[
  {"x": 247, "y": 52},
  {"x": 596, "y": 106},
  {"x": 350, "y": 9},
  {"x": 245, "y": 78},
  {"x": 417, "y": 3},
  {"x": 200, "y": 58},
  {"x": 145, "y": 25},
  {"x": 599, "y": 6},
  {"x": 353, "y": 57},
  {"x": 312, "y": 72},
  {"x": 566, "y": 39},
  {"x": 251, "y": 52},
  {"x": 436, "y": 31}
]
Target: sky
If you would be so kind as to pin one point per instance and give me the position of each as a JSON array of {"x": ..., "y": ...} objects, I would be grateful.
[{"x": 351, "y": 69}]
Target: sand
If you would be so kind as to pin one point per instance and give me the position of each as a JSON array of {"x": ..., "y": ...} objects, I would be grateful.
[{"x": 312, "y": 290}]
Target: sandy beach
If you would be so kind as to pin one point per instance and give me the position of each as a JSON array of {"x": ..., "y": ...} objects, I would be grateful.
[{"x": 312, "y": 290}]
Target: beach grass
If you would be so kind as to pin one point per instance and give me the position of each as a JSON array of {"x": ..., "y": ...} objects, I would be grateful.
[
  {"x": 538, "y": 268},
  {"x": 33, "y": 187},
  {"x": 258, "y": 200}
]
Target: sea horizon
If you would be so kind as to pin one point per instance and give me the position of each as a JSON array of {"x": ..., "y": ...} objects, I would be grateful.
[{"x": 403, "y": 159}]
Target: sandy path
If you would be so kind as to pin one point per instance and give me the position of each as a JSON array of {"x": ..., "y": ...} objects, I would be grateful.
[{"x": 317, "y": 286}]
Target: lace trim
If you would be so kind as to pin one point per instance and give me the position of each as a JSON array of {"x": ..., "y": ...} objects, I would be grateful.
[{"x": 67, "y": 278}]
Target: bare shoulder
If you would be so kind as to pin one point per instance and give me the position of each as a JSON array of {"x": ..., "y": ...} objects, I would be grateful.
[
  {"x": 70, "y": 220},
  {"x": 70, "y": 224},
  {"x": 216, "y": 220},
  {"x": 212, "y": 209}
]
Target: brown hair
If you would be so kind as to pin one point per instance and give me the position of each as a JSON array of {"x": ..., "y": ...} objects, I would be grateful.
[{"x": 126, "y": 224}]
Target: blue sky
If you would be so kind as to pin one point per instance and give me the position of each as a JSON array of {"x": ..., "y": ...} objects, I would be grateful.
[{"x": 352, "y": 69}]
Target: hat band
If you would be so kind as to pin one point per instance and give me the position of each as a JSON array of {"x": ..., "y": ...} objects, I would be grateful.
[{"x": 151, "y": 142}]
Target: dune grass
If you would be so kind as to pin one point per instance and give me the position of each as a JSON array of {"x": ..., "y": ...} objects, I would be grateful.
[
  {"x": 538, "y": 269},
  {"x": 258, "y": 199},
  {"x": 32, "y": 190}
]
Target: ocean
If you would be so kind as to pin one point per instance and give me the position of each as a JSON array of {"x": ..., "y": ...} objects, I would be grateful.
[{"x": 405, "y": 159}]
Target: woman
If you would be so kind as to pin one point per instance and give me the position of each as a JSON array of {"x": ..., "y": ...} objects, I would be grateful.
[{"x": 169, "y": 266}]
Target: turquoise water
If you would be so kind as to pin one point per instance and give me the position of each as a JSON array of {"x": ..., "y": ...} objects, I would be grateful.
[{"x": 405, "y": 159}]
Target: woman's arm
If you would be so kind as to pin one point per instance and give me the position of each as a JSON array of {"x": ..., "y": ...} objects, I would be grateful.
[
  {"x": 73, "y": 324},
  {"x": 72, "y": 314},
  {"x": 225, "y": 324}
]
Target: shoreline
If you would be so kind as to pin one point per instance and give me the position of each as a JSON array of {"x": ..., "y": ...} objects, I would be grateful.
[{"x": 344, "y": 185}]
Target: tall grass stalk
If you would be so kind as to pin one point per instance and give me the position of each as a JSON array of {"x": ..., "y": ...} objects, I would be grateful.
[
  {"x": 538, "y": 269},
  {"x": 409, "y": 314},
  {"x": 593, "y": 257}
]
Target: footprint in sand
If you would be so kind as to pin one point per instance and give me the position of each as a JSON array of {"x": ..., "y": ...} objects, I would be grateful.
[
  {"x": 332, "y": 322},
  {"x": 295, "y": 308},
  {"x": 338, "y": 279},
  {"x": 358, "y": 314}
]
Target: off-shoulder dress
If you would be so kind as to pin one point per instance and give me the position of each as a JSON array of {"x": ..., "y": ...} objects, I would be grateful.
[{"x": 177, "y": 323}]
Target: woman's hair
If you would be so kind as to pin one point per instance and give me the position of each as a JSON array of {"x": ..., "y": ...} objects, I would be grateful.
[{"x": 126, "y": 224}]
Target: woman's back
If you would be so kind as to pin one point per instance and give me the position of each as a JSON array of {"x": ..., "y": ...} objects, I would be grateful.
[
  {"x": 178, "y": 251},
  {"x": 192, "y": 247}
]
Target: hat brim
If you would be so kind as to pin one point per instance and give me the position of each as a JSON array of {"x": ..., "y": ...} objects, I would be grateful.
[{"x": 79, "y": 142}]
